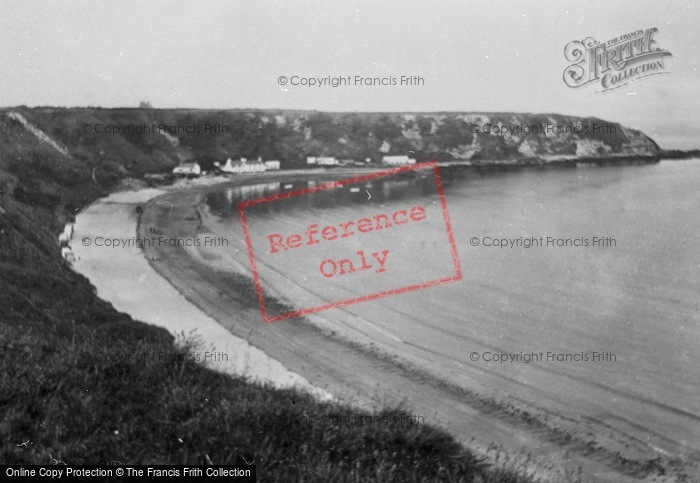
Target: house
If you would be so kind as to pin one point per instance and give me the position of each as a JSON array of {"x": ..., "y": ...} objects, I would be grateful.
[
  {"x": 272, "y": 164},
  {"x": 242, "y": 166},
  {"x": 188, "y": 169},
  {"x": 322, "y": 161},
  {"x": 397, "y": 160}
]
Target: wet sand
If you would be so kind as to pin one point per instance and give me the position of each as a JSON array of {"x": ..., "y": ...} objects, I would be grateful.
[{"x": 356, "y": 370}]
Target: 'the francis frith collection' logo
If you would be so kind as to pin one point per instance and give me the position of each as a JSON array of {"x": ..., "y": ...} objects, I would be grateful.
[{"x": 614, "y": 63}]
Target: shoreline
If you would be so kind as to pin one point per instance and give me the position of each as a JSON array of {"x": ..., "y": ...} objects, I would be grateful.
[
  {"x": 124, "y": 278},
  {"x": 563, "y": 162}
]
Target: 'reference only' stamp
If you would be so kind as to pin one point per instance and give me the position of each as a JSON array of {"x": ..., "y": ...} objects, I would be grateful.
[{"x": 361, "y": 250}]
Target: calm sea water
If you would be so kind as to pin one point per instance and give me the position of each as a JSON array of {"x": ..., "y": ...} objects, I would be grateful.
[{"x": 633, "y": 299}]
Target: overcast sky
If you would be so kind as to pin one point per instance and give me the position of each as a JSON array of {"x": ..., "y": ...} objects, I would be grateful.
[{"x": 472, "y": 56}]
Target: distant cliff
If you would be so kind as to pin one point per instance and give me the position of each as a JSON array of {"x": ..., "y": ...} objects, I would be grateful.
[
  {"x": 95, "y": 148},
  {"x": 153, "y": 138}
]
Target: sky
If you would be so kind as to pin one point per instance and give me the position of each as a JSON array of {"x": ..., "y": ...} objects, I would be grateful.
[{"x": 471, "y": 55}]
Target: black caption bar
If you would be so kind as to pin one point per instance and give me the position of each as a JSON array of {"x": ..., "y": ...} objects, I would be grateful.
[{"x": 236, "y": 473}]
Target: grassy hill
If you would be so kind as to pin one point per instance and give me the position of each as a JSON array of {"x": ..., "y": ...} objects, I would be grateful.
[{"x": 84, "y": 411}]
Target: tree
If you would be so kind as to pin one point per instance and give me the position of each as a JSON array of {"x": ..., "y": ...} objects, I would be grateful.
[
  {"x": 386, "y": 129},
  {"x": 452, "y": 133},
  {"x": 425, "y": 126},
  {"x": 323, "y": 128}
]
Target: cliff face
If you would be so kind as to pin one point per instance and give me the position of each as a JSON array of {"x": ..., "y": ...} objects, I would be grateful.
[{"x": 142, "y": 140}]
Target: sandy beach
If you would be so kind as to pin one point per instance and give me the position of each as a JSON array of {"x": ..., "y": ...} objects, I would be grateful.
[
  {"x": 123, "y": 277},
  {"x": 353, "y": 367}
]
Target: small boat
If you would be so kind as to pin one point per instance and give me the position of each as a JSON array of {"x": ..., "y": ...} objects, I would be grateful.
[{"x": 354, "y": 190}]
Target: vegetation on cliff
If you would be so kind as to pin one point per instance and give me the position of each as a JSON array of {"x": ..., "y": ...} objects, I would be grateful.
[{"x": 136, "y": 141}]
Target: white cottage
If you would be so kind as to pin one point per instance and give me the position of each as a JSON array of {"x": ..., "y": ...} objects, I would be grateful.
[
  {"x": 397, "y": 160},
  {"x": 242, "y": 166},
  {"x": 188, "y": 169},
  {"x": 322, "y": 160}
]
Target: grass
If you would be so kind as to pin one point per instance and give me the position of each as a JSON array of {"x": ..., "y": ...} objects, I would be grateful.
[{"x": 60, "y": 394}]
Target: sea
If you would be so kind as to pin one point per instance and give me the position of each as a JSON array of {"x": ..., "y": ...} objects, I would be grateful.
[{"x": 577, "y": 296}]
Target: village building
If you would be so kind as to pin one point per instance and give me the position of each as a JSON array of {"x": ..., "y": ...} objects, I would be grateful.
[
  {"x": 272, "y": 164},
  {"x": 322, "y": 161},
  {"x": 398, "y": 160},
  {"x": 242, "y": 166},
  {"x": 188, "y": 169}
]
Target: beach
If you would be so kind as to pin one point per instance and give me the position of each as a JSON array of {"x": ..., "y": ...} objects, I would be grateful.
[{"x": 123, "y": 277}]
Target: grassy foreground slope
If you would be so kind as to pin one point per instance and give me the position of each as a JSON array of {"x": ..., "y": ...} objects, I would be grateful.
[{"x": 56, "y": 404}]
